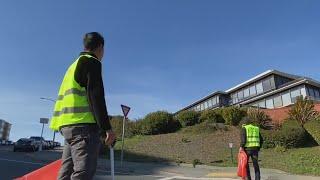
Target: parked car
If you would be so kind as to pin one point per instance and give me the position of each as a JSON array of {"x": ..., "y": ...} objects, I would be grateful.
[
  {"x": 51, "y": 144},
  {"x": 39, "y": 141},
  {"x": 25, "y": 144}
]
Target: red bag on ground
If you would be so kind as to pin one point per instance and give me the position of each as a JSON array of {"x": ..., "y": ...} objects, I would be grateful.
[
  {"x": 48, "y": 172},
  {"x": 242, "y": 164}
]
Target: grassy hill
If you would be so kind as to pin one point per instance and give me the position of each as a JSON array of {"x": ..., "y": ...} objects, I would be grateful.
[{"x": 212, "y": 148}]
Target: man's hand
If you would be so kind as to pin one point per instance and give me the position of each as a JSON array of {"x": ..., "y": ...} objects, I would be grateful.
[{"x": 110, "y": 137}]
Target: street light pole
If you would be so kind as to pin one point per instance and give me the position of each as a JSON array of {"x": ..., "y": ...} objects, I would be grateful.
[{"x": 49, "y": 99}]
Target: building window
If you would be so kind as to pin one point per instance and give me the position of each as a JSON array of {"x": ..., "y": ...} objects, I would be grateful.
[
  {"x": 277, "y": 101},
  {"x": 266, "y": 85},
  {"x": 253, "y": 90},
  {"x": 262, "y": 104},
  {"x": 210, "y": 103},
  {"x": 311, "y": 92},
  {"x": 198, "y": 108},
  {"x": 316, "y": 92},
  {"x": 205, "y": 105},
  {"x": 240, "y": 95},
  {"x": 246, "y": 92},
  {"x": 217, "y": 99},
  {"x": 286, "y": 99},
  {"x": 202, "y": 106},
  {"x": 269, "y": 104},
  {"x": 214, "y": 100},
  {"x": 303, "y": 91},
  {"x": 259, "y": 88},
  {"x": 234, "y": 98},
  {"x": 294, "y": 94}
]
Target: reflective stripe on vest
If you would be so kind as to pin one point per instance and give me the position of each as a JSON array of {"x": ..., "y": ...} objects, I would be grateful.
[
  {"x": 72, "y": 105},
  {"x": 253, "y": 136}
]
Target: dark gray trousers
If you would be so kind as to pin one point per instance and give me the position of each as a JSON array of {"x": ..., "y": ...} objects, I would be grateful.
[
  {"x": 80, "y": 153},
  {"x": 254, "y": 157}
]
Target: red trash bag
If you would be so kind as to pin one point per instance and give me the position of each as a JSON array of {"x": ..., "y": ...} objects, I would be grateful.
[
  {"x": 242, "y": 164},
  {"x": 48, "y": 172}
]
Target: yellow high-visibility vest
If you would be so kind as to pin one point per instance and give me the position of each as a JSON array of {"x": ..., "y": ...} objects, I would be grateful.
[
  {"x": 253, "y": 136},
  {"x": 72, "y": 105}
]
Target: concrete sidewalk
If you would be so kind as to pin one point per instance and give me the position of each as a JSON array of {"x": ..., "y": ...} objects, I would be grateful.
[
  {"x": 132, "y": 170},
  {"x": 173, "y": 171}
]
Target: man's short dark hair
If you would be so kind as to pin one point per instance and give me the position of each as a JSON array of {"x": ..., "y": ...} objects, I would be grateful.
[{"x": 92, "y": 41}]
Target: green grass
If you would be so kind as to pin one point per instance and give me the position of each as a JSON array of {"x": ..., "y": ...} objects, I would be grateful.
[
  {"x": 296, "y": 161},
  {"x": 212, "y": 149}
]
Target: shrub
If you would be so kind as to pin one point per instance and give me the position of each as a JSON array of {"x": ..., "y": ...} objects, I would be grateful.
[
  {"x": 290, "y": 135},
  {"x": 188, "y": 118},
  {"x": 211, "y": 116},
  {"x": 196, "y": 162},
  {"x": 313, "y": 128},
  {"x": 258, "y": 118},
  {"x": 159, "y": 122},
  {"x": 303, "y": 111},
  {"x": 233, "y": 115},
  {"x": 131, "y": 127}
]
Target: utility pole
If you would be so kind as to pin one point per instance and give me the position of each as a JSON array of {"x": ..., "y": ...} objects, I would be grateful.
[{"x": 49, "y": 99}]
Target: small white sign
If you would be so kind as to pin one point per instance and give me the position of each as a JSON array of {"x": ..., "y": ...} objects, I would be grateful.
[
  {"x": 230, "y": 145},
  {"x": 44, "y": 120}
]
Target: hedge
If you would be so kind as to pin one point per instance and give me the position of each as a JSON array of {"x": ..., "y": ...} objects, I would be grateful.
[
  {"x": 313, "y": 128},
  {"x": 211, "y": 116},
  {"x": 159, "y": 122},
  {"x": 233, "y": 115},
  {"x": 290, "y": 135},
  {"x": 188, "y": 118}
]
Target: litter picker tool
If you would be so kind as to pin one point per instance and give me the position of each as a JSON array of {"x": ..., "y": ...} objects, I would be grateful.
[{"x": 112, "y": 160}]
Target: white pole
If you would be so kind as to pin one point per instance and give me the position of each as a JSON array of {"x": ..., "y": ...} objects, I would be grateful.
[
  {"x": 122, "y": 146},
  {"x": 112, "y": 162}
]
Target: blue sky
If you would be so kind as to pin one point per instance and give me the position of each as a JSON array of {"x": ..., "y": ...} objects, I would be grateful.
[{"x": 160, "y": 55}]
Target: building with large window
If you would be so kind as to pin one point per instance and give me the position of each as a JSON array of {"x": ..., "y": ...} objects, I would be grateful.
[
  {"x": 271, "y": 89},
  {"x": 5, "y": 128}
]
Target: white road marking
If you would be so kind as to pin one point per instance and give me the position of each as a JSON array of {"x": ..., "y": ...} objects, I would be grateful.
[
  {"x": 191, "y": 178},
  {"x": 25, "y": 162}
]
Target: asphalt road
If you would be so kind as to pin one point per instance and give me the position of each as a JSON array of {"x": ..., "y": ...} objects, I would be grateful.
[{"x": 17, "y": 164}]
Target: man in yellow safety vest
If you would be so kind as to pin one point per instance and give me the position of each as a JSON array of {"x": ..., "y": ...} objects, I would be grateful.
[
  {"x": 80, "y": 112},
  {"x": 251, "y": 142}
]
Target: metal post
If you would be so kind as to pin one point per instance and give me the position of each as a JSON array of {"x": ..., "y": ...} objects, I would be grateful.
[
  {"x": 49, "y": 99},
  {"x": 42, "y": 129},
  {"x": 231, "y": 155},
  {"x": 122, "y": 146},
  {"x": 40, "y": 148},
  {"x": 112, "y": 162},
  {"x": 54, "y": 135}
]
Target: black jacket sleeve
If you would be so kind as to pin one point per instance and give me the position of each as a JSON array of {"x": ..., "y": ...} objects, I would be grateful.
[
  {"x": 261, "y": 140},
  {"x": 88, "y": 75},
  {"x": 243, "y": 137}
]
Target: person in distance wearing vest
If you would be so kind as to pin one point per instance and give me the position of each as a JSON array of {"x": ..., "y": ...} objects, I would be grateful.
[
  {"x": 251, "y": 142},
  {"x": 80, "y": 112}
]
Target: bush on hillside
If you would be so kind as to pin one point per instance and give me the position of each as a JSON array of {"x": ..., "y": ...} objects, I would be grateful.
[
  {"x": 303, "y": 111},
  {"x": 130, "y": 126},
  {"x": 313, "y": 128},
  {"x": 290, "y": 135},
  {"x": 188, "y": 118},
  {"x": 259, "y": 118},
  {"x": 233, "y": 115},
  {"x": 159, "y": 122},
  {"x": 211, "y": 116}
]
